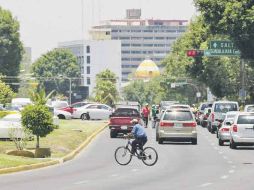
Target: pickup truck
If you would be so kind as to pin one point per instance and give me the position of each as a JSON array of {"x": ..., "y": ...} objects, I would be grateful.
[{"x": 120, "y": 120}]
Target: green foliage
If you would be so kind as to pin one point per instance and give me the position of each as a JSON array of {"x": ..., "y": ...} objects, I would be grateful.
[
  {"x": 6, "y": 93},
  {"x": 10, "y": 45},
  {"x": 40, "y": 97},
  {"x": 232, "y": 18},
  {"x": 106, "y": 90},
  {"x": 38, "y": 119},
  {"x": 56, "y": 65}
]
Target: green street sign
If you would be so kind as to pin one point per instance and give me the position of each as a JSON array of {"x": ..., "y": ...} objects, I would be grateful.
[{"x": 221, "y": 48}]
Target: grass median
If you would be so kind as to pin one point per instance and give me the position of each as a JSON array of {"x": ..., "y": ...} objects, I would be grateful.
[{"x": 69, "y": 136}]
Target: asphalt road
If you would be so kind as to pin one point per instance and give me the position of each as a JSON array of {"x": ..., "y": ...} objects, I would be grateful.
[{"x": 180, "y": 166}]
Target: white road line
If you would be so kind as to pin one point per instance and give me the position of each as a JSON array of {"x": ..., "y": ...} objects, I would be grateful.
[
  {"x": 216, "y": 148},
  {"x": 231, "y": 171},
  {"x": 225, "y": 157},
  {"x": 134, "y": 170},
  {"x": 230, "y": 162},
  {"x": 220, "y": 152},
  {"x": 114, "y": 175},
  {"x": 81, "y": 182},
  {"x": 224, "y": 177},
  {"x": 205, "y": 184},
  {"x": 233, "y": 166},
  {"x": 212, "y": 144}
]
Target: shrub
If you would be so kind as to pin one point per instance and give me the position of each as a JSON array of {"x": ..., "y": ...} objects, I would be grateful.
[{"x": 38, "y": 119}]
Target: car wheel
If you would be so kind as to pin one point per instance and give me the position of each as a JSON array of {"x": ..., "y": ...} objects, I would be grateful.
[
  {"x": 221, "y": 142},
  {"x": 194, "y": 141},
  {"x": 232, "y": 144},
  {"x": 85, "y": 116},
  {"x": 61, "y": 116},
  {"x": 113, "y": 134},
  {"x": 160, "y": 141}
]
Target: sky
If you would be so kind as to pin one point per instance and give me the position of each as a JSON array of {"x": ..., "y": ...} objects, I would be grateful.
[{"x": 45, "y": 23}]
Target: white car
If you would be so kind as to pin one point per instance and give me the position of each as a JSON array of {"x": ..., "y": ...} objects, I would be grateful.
[
  {"x": 223, "y": 132},
  {"x": 61, "y": 114},
  {"x": 242, "y": 130},
  {"x": 8, "y": 123},
  {"x": 249, "y": 108},
  {"x": 92, "y": 111}
]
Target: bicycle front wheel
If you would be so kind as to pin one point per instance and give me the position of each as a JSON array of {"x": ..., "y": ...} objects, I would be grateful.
[
  {"x": 123, "y": 155},
  {"x": 150, "y": 156}
]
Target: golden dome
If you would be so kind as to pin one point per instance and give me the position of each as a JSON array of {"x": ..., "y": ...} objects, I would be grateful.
[{"x": 147, "y": 69}]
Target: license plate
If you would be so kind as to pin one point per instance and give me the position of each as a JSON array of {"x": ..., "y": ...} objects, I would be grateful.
[
  {"x": 178, "y": 125},
  {"x": 124, "y": 127}
]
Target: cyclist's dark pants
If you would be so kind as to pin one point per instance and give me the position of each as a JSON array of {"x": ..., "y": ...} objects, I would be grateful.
[
  {"x": 141, "y": 141},
  {"x": 146, "y": 121}
]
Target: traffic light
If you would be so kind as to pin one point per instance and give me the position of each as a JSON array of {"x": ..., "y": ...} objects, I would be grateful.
[{"x": 195, "y": 53}]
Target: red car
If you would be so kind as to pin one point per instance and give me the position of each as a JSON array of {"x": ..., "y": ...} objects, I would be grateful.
[
  {"x": 71, "y": 108},
  {"x": 120, "y": 120}
]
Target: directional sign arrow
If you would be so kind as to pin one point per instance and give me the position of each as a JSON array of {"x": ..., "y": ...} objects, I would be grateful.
[{"x": 215, "y": 45}]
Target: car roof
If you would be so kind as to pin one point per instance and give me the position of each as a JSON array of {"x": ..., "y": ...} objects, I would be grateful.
[
  {"x": 225, "y": 101},
  {"x": 178, "y": 109}
]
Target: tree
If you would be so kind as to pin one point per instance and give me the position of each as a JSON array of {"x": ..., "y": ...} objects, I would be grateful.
[
  {"x": 106, "y": 90},
  {"x": 6, "y": 93},
  {"x": 57, "y": 65},
  {"x": 38, "y": 119},
  {"x": 11, "y": 48},
  {"x": 232, "y": 18}
]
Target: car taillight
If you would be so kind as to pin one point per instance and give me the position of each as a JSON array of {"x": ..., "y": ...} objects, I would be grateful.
[
  {"x": 212, "y": 117},
  {"x": 235, "y": 128},
  {"x": 225, "y": 129},
  {"x": 166, "y": 124},
  {"x": 193, "y": 124}
]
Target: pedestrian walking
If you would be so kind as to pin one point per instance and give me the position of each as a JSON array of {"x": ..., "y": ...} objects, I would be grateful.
[{"x": 146, "y": 113}]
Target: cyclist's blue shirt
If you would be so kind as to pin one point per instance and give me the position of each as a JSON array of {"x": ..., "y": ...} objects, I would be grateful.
[{"x": 138, "y": 131}]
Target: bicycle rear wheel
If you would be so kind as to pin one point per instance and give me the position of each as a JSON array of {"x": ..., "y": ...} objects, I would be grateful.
[
  {"x": 149, "y": 156},
  {"x": 123, "y": 155}
]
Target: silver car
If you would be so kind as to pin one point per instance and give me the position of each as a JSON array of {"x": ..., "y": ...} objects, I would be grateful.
[
  {"x": 242, "y": 130},
  {"x": 177, "y": 125}
]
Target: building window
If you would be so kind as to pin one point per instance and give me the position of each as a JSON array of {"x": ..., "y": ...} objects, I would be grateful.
[
  {"x": 87, "y": 70},
  {"x": 88, "y": 60},
  {"x": 87, "y": 49},
  {"x": 88, "y": 81},
  {"x": 125, "y": 52},
  {"x": 107, "y": 33},
  {"x": 125, "y": 59},
  {"x": 125, "y": 45},
  {"x": 136, "y": 45},
  {"x": 124, "y": 38},
  {"x": 148, "y": 45},
  {"x": 148, "y": 38}
]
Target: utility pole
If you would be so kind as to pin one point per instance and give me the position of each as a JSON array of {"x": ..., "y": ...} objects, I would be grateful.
[{"x": 242, "y": 92}]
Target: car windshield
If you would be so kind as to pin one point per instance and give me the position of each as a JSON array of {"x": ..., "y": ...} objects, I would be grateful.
[
  {"x": 176, "y": 115},
  {"x": 245, "y": 119},
  {"x": 126, "y": 112},
  {"x": 225, "y": 107}
]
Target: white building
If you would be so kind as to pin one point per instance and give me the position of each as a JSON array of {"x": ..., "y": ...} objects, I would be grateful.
[
  {"x": 94, "y": 57},
  {"x": 140, "y": 38}
]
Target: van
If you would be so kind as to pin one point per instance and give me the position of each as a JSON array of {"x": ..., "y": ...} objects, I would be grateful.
[{"x": 218, "y": 113}]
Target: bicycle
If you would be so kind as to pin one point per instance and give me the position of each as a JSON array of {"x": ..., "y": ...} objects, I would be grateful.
[{"x": 123, "y": 155}]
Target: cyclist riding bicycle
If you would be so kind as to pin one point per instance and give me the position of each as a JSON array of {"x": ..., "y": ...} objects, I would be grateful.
[{"x": 139, "y": 134}]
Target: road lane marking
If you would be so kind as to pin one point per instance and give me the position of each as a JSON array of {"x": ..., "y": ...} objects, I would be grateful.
[
  {"x": 233, "y": 166},
  {"x": 231, "y": 171},
  {"x": 225, "y": 157},
  {"x": 114, "y": 175},
  {"x": 216, "y": 148},
  {"x": 224, "y": 177},
  {"x": 230, "y": 162},
  {"x": 81, "y": 182},
  {"x": 134, "y": 170},
  {"x": 220, "y": 152},
  {"x": 212, "y": 144},
  {"x": 205, "y": 184}
]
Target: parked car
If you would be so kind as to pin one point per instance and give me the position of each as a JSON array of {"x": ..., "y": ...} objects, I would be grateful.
[
  {"x": 61, "y": 114},
  {"x": 73, "y": 107},
  {"x": 11, "y": 122},
  {"x": 120, "y": 120},
  {"x": 92, "y": 111},
  {"x": 242, "y": 130},
  {"x": 200, "y": 113},
  {"x": 249, "y": 108},
  {"x": 177, "y": 125},
  {"x": 218, "y": 112},
  {"x": 59, "y": 104},
  {"x": 223, "y": 133}
]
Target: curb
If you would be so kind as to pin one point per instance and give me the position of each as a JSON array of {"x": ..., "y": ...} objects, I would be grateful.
[{"x": 66, "y": 158}]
